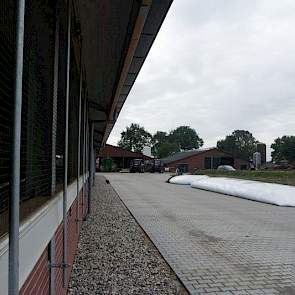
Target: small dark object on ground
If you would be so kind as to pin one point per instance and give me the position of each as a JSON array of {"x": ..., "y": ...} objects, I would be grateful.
[{"x": 107, "y": 181}]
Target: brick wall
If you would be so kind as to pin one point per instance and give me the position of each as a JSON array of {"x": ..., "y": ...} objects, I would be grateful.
[{"x": 38, "y": 281}]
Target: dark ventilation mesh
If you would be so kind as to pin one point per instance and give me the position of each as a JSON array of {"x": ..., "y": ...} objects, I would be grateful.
[
  {"x": 37, "y": 105},
  {"x": 61, "y": 98},
  {"x": 7, "y": 67},
  {"x": 73, "y": 118}
]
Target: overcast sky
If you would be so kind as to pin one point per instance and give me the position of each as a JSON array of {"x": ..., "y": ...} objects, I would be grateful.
[{"x": 217, "y": 66}]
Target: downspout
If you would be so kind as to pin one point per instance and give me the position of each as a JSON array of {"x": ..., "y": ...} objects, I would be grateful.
[
  {"x": 65, "y": 194},
  {"x": 13, "y": 260},
  {"x": 54, "y": 126}
]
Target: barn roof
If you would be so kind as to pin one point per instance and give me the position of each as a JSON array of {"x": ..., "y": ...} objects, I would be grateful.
[
  {"x": 115, "y": 151},
  {"x": 185, "y": 154}
]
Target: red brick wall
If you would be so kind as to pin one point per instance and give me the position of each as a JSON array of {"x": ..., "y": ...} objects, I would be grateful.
[
  {"x": 38, "y": 281},
  {"x": 73, "y": 234},
  {"x": 198, "y": 161}
]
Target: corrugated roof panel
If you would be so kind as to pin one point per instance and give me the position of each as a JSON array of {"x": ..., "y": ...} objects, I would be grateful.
[
  {"x": 122, "y": 98},
  {"x": 125, "y": 90},
  {"x": 130, "y": 79},
  {"x": 144, "y": 45},
  {"x": 158, "y": 11},
  {"x": 136, "y": 65},
  {"x": 184, "y": 155}
]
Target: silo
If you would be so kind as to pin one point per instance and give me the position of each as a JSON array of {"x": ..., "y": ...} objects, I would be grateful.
[
  {"x": 261, "y": 148},
  {"x": 257, "y": 160}
]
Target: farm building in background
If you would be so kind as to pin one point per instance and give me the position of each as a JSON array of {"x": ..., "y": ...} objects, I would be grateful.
[
  {"x": 209, "y": 158},
  {"x": 120, "y": 158}
]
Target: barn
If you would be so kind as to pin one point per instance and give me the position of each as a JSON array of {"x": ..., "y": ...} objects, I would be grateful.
[
  {"x": 208, "y": 158},
  {"x": 119, "y": 156}
]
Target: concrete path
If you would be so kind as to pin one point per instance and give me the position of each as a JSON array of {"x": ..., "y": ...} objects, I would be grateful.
[{"x": 216, "y": 244}]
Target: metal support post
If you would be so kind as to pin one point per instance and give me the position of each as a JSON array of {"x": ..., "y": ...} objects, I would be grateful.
[
  {"x": 53, "y": 149},
  {"x": 65, "y": 194},
  {"x": 87, "y": 162},
  {"x": 93, "y": 162},
  {"x": 91, "y": 153},
  {"x": 13, "y": 272},
  {"x": 84, "y": 156},
  {"x": 79, "y": 148}
]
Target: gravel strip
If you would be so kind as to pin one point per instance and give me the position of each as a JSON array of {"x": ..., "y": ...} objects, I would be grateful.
[{"x": 114, "y": 254}]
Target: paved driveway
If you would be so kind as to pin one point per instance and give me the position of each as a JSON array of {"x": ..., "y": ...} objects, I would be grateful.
[{"x": 216, "y": 244}]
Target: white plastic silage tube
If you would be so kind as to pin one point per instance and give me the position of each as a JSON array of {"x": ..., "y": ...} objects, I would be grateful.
[
  {"x": 186, "y": 179},
  {"x": 271, "y": 193}
]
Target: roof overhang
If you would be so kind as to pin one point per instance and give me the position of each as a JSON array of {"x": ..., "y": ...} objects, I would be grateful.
[{"x": 116, "y": 39}]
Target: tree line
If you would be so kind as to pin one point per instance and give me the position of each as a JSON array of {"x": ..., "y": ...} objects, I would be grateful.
[{"x": 241, "y": 143}]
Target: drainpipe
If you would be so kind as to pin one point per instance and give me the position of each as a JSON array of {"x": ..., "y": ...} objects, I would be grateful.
[
  {"x": 79, "y": 146},
  {"x": 54, "y": 125},
  {"x": 13, "y": 262},
  {"x": 65, "y": 194}
]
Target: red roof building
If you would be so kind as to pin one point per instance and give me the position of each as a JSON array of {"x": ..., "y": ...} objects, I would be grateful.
[
  {"x": 209, "y": 158},
  {"x": 121, "y": 157}
]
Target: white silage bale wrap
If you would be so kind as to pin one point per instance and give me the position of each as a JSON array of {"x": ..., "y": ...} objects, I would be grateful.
[
  {"x": 186, "y": 179},
  {"x": 271, "y": 193}
]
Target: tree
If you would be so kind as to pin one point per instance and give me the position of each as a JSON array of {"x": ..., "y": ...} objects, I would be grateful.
[
  {"x": 134, "y": 138},
  {"x": 186, "y": 138},
  {"x": 240, "y": 144},
  {"x": 166, "y": 149},
  {"x": 284, "y": 149},
  {"x": 159, "y": 138}
]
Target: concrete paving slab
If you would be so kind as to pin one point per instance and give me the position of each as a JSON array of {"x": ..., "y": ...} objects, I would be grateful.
[{"x": 216, "y": 244}]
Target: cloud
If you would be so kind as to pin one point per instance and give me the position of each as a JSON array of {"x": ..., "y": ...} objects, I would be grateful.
[{"x": 217, "y": 66}]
